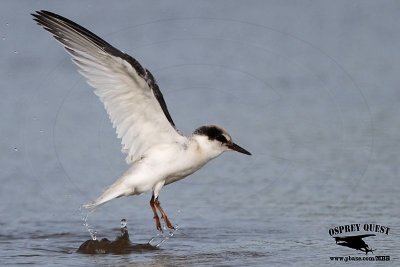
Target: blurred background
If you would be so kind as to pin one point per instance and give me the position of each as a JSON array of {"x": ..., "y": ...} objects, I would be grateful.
[{"x": 309, "y": 87}]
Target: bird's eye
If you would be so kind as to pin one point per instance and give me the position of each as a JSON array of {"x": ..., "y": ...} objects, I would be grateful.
[{"x": 221, "y": 138}]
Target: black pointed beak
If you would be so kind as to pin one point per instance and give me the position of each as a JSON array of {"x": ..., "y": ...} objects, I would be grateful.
[{"x": 238, "y": 148}]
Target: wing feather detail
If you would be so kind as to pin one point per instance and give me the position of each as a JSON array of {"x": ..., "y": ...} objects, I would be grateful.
[{"x": 129, "y": 92}]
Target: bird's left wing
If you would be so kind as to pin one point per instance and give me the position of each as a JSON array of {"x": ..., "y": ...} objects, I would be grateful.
[{"x": 129, "y": 92}]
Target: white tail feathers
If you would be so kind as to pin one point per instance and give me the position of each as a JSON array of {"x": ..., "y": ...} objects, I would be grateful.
[
  {"x": 92, "y": 205},
  {"x": 114, "y": 191}
]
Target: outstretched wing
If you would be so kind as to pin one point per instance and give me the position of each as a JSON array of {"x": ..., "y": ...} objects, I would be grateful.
[
  {"x": 352, "y": 238},
  {"x": 129, "y": 92},
  {"x": 361, "y": 236}
]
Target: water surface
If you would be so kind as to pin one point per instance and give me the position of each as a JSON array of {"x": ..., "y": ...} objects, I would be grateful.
[{"x": 310, "y": 89}]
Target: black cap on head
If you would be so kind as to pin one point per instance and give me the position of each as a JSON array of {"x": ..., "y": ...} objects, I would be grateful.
[
  {"x": 212, "y": 132},
  {"x": 217, "y": 133}
]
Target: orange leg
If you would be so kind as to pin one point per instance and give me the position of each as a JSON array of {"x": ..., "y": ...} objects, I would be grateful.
[
  {"x": 163, "y": 214},
  {"x": 153, "y": 207}
]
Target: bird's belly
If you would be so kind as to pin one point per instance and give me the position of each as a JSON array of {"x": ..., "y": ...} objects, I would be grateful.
[
  {"x": 176, "y": 176},
  {"x": 172, "y": 179},
  {"x": 170, "y": 167},
  {"x": 141, "y": 188}
]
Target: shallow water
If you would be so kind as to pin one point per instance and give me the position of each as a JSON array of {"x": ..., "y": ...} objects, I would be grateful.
[{"x": 315, "y": 101}]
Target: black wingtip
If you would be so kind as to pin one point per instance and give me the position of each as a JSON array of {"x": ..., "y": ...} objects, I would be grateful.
[
  {"x": 40, "y": 15},
  {"x": 43, "y": 14}
]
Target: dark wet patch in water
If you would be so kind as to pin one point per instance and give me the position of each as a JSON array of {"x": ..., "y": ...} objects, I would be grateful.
[{"x": 121, "y": 245}]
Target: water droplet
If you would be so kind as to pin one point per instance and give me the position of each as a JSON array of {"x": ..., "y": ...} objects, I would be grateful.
[
  {"x": 94, "y": 237},
  {"x": 91, "y": 231},
  {"x": 15, "y": 52},
  {"x": 16, "y": 149},
  {"x": 162, "y": 241},
  {"x": 7, "y": 24},
  {"x": 42, "y": 131}
]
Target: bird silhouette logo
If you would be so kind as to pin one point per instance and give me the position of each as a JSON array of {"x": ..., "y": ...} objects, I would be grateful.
[{"x": 355, "y": 242}]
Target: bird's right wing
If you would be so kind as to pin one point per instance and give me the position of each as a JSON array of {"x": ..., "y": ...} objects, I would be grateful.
[
  {"x": 352, "y": 238},
  {"x": 129, "y": 92}
]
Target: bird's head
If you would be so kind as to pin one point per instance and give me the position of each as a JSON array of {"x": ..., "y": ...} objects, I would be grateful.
[{"x": 216, "y": 140}]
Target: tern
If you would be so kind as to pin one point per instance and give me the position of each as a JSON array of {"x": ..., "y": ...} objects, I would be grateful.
[{"x": 157, "y": 153}]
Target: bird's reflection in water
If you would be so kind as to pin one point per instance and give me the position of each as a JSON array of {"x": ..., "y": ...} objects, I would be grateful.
[{"x": 121, "y": 245}]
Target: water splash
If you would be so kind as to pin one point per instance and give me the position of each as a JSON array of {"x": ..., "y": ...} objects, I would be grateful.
[
  {"x": 164, "y": 237},
  {"x": 124, "y": 223},
  {"x": 92, "y": 231},
  {"x": 155, "y": 241},
  {"x": 121, "y": 245},
  {"x": 166, "y": 234}
]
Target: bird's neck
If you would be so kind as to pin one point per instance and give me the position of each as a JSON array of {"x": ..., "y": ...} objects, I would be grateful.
[{"x": 203, "y": 149}]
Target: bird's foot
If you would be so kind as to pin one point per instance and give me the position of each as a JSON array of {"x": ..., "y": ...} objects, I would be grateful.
[{"x": 167, "y": 222}]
